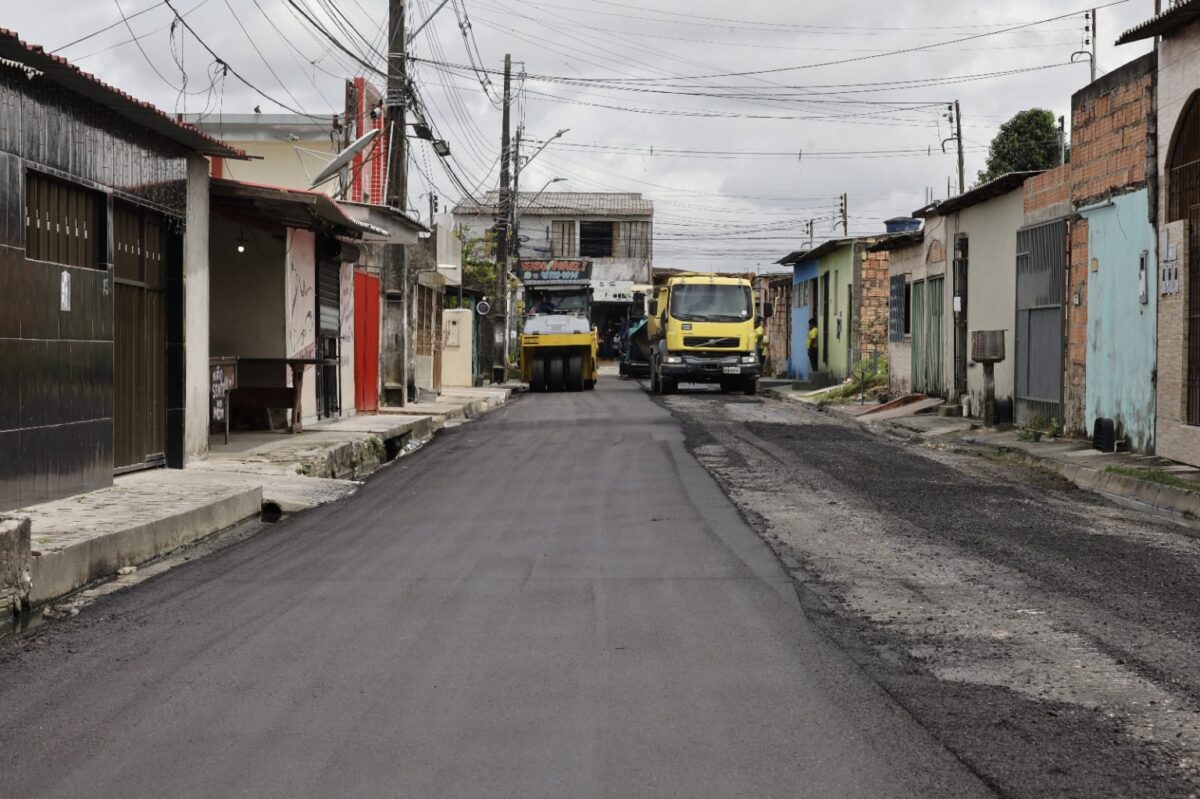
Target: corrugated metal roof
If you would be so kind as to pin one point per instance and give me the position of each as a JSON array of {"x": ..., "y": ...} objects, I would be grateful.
[
  {"x": 564, "y": 203},
  {"x": 826, "y": 247},
  {"x": 38, "y": 64},
  {"x": 986, "y": 191},
  {"x": 1178, "y": 15},
  {"x": 298, "y": 208}
]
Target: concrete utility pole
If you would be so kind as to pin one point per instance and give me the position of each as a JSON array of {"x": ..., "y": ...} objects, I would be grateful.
[
  {"x": 500, "y": 361},
  {"x": 514, "y": 248},
  {"x": 395, "y": 283},
  {"x": 962, "y": 170}
]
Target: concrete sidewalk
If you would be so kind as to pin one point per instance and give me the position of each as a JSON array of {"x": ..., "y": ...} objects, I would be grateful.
[
  {"x": 1107, "y": 473},
  {"x": 78, "y": 540}
]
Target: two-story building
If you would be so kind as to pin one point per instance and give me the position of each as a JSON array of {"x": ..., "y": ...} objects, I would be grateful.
[{"x": 613, "y": 230}]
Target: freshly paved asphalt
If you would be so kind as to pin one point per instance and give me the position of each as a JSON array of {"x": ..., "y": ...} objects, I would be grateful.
[{"x": 554, "y": 601}]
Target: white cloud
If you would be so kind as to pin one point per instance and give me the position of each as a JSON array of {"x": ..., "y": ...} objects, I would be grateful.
[{"x": 712, "y": 212}]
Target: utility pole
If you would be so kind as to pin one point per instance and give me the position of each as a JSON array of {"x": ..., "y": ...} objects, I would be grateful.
[
  {"x": 397, "y": 89},
  {"x": 962, "y": 171},
  {"x": 514, "y": 238},
  {"x": 500, "y": 361},
  {"x": 1062, "y": 140},
  {"x": 395, "y": 283},
  {"x": 845, "y": 215},
  {"x": 809, "y": 227},
  {"x": 1095, "y": 30}
]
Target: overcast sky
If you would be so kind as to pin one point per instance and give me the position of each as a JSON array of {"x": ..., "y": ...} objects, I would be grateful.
[{"x": 729, "y": 116}]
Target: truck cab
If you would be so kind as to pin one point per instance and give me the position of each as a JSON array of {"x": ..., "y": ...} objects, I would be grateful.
[{"x": 706, "y": 331}]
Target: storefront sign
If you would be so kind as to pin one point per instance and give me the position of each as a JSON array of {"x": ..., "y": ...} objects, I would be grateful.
[
  {"x": 555, "y": 271},
  {"x": 616, "y": 291}
]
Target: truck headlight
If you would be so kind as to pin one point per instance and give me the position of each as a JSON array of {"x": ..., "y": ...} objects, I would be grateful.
[
  {"x": 672, "y": 359},
  {"x": 749, "y": 359}
]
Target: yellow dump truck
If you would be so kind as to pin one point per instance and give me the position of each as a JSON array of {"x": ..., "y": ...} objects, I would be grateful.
[
  {"x": 559, "y": 346},
  {"x": 705, "y": 331}
]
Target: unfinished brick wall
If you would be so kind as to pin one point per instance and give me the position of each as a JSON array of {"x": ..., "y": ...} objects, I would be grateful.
[
  {"x": 1075, "y": 377},
  {"x": 873, "y": 302},
  {"x": 1110, "y": 125},
  {"x": 1048, "y": 189}
]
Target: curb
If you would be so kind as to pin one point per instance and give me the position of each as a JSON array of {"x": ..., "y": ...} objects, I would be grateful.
[
  {"x": 57, "y": 573},
  {"x": 1114, "y": 486},
  {"x": 61, "y": 572},
  {"x": 1119, "y": 486}
]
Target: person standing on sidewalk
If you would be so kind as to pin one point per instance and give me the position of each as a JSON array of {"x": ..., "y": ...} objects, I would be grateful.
[{"x": 812, "y": 343}]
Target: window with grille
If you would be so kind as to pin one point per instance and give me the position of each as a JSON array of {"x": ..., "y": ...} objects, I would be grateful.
[{"x": 596, "y": 239}]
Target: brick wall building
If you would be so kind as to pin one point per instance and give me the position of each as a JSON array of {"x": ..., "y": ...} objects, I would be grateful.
[
  {"x": 872, "y": 325},
  {"x": 1112, "y": 139}
]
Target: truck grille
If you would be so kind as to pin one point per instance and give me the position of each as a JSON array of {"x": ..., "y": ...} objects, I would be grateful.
[{"x": 701, "y": 342}]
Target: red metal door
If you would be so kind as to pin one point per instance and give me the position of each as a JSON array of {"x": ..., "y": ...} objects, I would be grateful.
[{"x": 366, "y": 342}]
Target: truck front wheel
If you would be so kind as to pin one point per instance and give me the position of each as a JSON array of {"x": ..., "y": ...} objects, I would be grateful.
[{"x": 751, "y": 387}]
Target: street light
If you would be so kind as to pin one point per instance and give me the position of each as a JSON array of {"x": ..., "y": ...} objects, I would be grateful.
[{"x": 545, "y": 144}]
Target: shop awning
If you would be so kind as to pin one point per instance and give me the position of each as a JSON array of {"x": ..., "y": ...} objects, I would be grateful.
[
  {"x": 294, "y": 208},
  {"x": 386, "y": 224}
]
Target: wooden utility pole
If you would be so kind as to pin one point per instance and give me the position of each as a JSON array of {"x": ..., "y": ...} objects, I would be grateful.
[
  {"x": 397, "y": 91},
  {"x": 395, "y": 339},
  {"x": 962, "y": 169},
  {"x": 504, "y": 214}
]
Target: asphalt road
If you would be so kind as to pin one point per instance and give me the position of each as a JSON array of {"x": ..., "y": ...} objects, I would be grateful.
[
  {"x": 1046, "y": 635},
  {"x": 557, "y": 600}
]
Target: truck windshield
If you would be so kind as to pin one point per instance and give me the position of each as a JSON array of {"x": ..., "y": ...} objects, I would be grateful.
[
  {"x": 558, "y": 302},
  {"x": 706, "y": 302}
]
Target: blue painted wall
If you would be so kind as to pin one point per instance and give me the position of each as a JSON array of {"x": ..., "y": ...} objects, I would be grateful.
[
  {"x": 798, "y": 365},
  {"x": 1121, "y": 354}
]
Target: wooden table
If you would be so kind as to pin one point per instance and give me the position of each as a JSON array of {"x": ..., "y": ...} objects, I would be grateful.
[{"x": 297, "y": 366}]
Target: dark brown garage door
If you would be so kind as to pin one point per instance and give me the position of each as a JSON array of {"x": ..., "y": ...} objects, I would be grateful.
[{"x": 139, "y": 338}]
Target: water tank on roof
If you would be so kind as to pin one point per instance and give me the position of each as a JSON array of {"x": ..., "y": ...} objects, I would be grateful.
[{"x": 903, "y": 224}]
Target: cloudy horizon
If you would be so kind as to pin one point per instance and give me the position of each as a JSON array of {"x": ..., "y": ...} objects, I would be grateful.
[{"x": 741, "y": 124}]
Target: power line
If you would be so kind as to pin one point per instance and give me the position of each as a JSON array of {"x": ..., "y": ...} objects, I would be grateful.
[
  {"x": 856, "y": 59},
  {"x": 233, "y": 71},
  {"x": 332, "y": 39},
  {"x": 124, "y": 19}
]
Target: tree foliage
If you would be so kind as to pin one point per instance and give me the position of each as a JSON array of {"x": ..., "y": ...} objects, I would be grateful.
[
  {"x": 1029, "y": 141},
  {"x": 479, "y": 272}
]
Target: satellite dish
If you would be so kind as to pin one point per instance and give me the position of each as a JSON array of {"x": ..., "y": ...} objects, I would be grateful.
[{"x": 344, "y": 157}]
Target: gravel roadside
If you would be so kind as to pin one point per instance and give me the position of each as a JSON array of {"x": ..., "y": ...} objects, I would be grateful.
[{"x": 1047, "y": 636}]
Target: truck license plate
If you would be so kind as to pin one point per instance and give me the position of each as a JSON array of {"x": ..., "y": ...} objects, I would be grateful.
[{"x": 733, "y": 370}]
